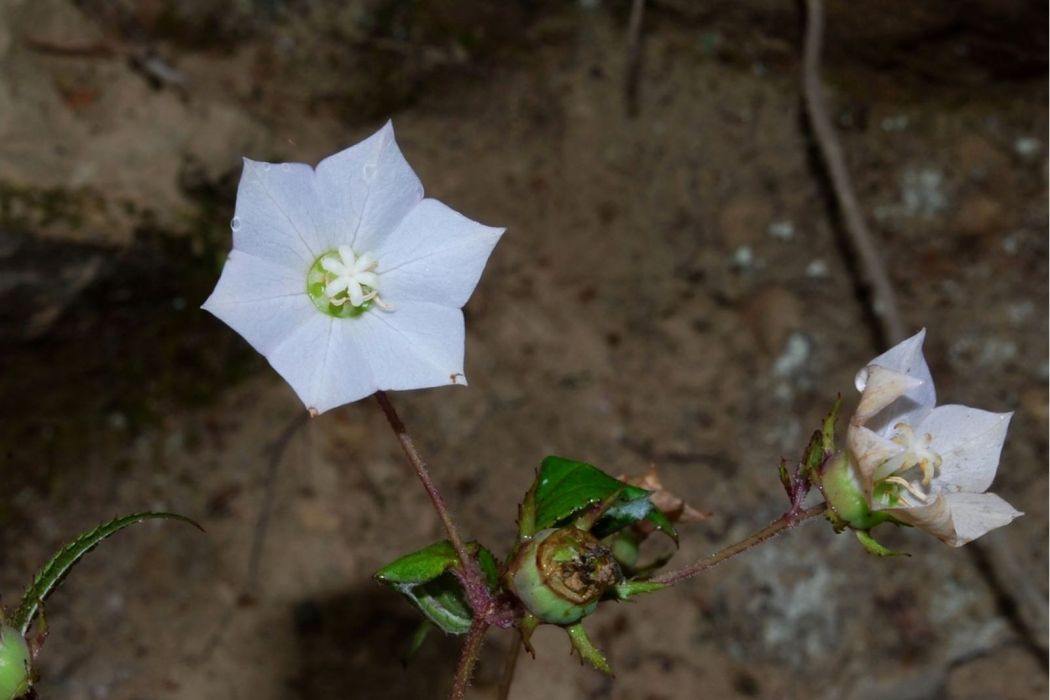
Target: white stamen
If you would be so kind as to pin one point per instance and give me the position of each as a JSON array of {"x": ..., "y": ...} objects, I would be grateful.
[
  {"x": 352, "y": 279},
  {"x": 912, "y": 488}
]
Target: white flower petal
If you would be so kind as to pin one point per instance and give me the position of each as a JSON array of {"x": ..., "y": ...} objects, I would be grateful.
[
  {"x": 906, "y": 357},
  {"x": 869, "y": 451},
  {"x": 435, "y": 255},
  {"x": 969, "y": 442},
  {"x": 882, "y": 387},
  {"x": 262, "y": 301},
  {"x": 275, "y": 214},
  {"x": 323, "y": 362},
  {"x": 415, "y": 346},
  {"x": 365, "y": 191},
  {"x": 974, "y": 514},
  {"x": 958, "y": 518}
]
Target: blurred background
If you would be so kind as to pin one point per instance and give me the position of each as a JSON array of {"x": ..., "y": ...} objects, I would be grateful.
[{"x": 672, "y": 290}]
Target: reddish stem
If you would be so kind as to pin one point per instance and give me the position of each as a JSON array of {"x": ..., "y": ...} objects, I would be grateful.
[
  {"x": 470, "y": 573},
  {"x": 468, "y": 658},
  {"x": 781, "y": 524}
]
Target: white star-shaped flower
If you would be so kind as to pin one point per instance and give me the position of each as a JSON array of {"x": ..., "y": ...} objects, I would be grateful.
[
  {"x": 346, "y": 279},
  {"x": 926, "y": 465}
]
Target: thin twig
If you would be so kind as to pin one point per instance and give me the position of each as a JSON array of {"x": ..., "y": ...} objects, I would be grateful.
[
  {"x": 262, "y": 524},
  {"x": 468, "y": 658},
  {"x": 872, "y": 270},
  {"x": 785, "y": 522},
  {"x": 634, "y": 56}
]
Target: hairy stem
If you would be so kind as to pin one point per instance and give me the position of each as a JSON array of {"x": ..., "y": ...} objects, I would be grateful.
[
  {"x": 784, "y": 522},
  {"x": 468, "y": 658},
  {"x": 470, "y": 574}
]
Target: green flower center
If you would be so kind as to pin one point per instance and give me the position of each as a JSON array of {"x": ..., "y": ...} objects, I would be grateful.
[{"x": 343, "y": 284}]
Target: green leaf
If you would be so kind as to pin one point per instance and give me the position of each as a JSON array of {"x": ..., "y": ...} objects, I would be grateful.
[
  {"x": 564, "y": 487},
  {"x": 489, "y": 567},
  {"x": 53, "y": 573},
  {"x": 422, "y": 566},
  {"x": 441, "y": 601},
  {"x": 425, "y": 577}
]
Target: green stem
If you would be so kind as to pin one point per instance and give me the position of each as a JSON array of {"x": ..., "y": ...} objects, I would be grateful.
[
  {"x": 785, "y": 522},
  {"x": 468, "y": 658}
]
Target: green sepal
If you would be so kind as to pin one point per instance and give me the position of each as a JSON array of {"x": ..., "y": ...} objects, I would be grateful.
[
  {"x": 827, "y": 431},
  {"x": 874, "y": 547},
  {"x": 628, "y": 589},
  {"x": 821, "y": 446},
  {"x": 814, "y": 457},
  {"x": 526, "y": 627},
  {"x": 527, "y": 512},
  {"x": 785, "y": 476},
  {"x": 54, "y": 572},
  {"x": 583, "y": 646},
  {"x": 564, "y": 487},
  {"x": 425, "y": 577}
]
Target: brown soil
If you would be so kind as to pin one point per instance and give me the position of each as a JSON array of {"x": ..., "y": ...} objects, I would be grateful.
[{"x": 671, "y": 290}]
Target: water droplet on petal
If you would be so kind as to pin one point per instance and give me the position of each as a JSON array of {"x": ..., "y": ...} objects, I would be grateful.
[
  {"x": 266, "y": 166},
  {"x": 235, "y": 224},
  {"x": 861, "y": 380},
  {"x": 419, "y": 192}
]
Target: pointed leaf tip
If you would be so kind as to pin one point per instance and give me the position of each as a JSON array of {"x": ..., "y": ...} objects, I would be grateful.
[{"x": 54, "y": 572}]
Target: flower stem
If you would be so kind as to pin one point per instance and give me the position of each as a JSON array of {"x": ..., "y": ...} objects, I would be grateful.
[
  {"x": 414, "y": 458},
  {"x": 784, "y": 522},
  {"x": 468, "y": 658}
]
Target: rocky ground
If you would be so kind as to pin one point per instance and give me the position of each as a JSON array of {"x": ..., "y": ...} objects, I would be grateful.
[{"x": 671, "y": 290}]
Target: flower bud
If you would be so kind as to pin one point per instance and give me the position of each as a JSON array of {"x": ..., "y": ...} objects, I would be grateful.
[
  {"x": 560, "y": 575},
  {"x": 15, "y": 676}
]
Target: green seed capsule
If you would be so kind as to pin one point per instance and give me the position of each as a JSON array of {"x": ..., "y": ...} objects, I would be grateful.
[
  {"x": 560, "y": 575},
  {"x": 15, "y": 676}
]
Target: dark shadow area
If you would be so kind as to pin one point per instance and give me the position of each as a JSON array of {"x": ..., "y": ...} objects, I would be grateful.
[{"x": 352, "y": 645}]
